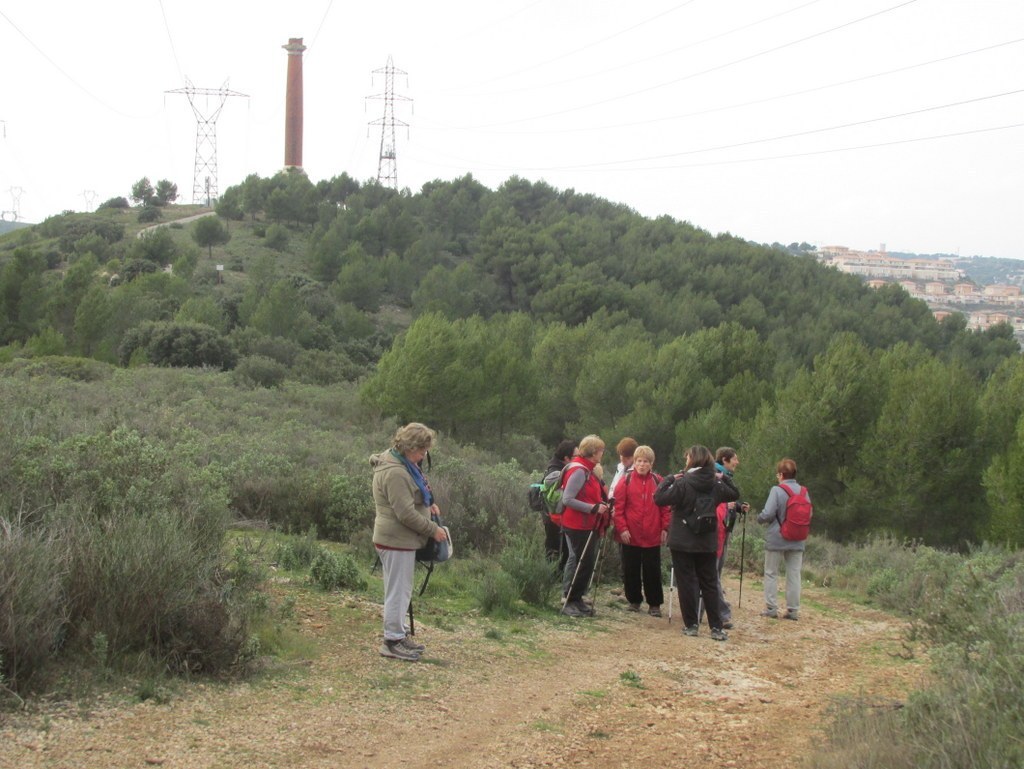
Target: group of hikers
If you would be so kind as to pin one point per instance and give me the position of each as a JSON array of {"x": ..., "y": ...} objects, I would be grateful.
[{"x": 692, "y": 511}]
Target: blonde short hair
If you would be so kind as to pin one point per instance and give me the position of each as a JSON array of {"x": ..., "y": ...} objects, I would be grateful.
[
  {"x": 413, "y": 437},
  {"x": 590, "y": 445},
  {"x": 644, "y": 452}
]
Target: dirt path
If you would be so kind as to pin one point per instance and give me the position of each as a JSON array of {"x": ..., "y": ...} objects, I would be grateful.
[{"x": 621, "y": 690}]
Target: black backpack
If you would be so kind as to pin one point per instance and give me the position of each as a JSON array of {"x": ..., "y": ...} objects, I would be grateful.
[{"x": 704, "y": 518}]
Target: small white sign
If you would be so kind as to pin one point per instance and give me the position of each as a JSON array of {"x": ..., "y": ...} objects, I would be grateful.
[{"x": 220, "y": 268}]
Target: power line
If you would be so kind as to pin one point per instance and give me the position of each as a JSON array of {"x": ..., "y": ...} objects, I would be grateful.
[
  {"x": 619, "y": 67},
  {"x": 755, "y": 102},
  {"x": 316, "y": 34},
  {"x": 170, "y": 39},
  {"x": 801, "y": 133},
  {"x": 612, "y": 36},
  {"x": 72, "y": 80},
  {"x": 739, "y": 161},
  {"x": 811, "y": 153},
  {"x": 699, "y": 73}
]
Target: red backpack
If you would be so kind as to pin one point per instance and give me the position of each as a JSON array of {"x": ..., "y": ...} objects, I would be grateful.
[{"x": 797, "y": 525}]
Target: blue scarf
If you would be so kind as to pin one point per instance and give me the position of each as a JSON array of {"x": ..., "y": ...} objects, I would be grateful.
[{"x": 417, "y": 476}]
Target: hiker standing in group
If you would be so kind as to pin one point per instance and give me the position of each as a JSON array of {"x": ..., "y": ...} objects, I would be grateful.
[
  {"x": 583, "y": 521},
  {"x": 404, "y": 504},
  {"x": 554, "y": 540},
  {"x": 726, "y": 462},
  {"x": 694, "y": 495},
  {"x": 641, "y": 528},
  {"x": 777, "y": 548},
  {"x": 626, "y": 449}
]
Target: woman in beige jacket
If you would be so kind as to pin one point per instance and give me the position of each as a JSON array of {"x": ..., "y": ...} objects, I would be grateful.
[{"x": 402, "y": 525}]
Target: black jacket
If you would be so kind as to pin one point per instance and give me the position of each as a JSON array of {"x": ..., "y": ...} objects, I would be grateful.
[{"x": 680, "y": 491}]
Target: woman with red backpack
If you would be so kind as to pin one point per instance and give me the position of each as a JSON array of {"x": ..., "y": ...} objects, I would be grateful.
[{"x": 788, "y": 515}]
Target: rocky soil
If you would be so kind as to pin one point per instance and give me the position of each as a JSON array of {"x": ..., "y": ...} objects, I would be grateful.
[{"x": 618, "y": 690}]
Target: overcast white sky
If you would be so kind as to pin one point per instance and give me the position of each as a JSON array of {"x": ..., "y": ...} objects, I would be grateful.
[{"x": 849, "y": 122}]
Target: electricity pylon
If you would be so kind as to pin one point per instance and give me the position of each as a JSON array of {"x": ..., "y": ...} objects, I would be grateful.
[
  {"x": 387, "y": 165},
  {"x": 204, "y": 174}
]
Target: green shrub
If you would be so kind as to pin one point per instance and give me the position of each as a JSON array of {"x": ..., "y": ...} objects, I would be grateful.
[
  {"x": 80, "y": 369},
  {"x": 46, "y": 342},
  {"x": 484, "y": 503},
  {"x": 523, "y": 559},
  {"x": 351, "y": 507},
  {"x": 277, "y": 237},
  {"x": 331, "y": 571},
  {"x": 263, "y": 486},
  {"x": 298, "y": 553},
  {"x": 882, "y": 581},
  {"x": 496, "y": 593},
  {"x": 970, "y": 611},
  {"x": 259, "y": 371},
  {"x": 178, "y": 344},
  {"x": 33, "y": 610},
  {"x": 149, "y": 214},
  {"x": 133, "y": 530},
  {"x": 324, "y": 367}
]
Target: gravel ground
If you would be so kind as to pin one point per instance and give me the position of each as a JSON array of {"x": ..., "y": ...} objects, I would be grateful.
[{"x": 618, "y": 690}]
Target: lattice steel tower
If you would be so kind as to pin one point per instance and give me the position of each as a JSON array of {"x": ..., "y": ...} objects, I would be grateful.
[
  {"x": 387, "y": 165},
  {"x": 204, "y": 174}
]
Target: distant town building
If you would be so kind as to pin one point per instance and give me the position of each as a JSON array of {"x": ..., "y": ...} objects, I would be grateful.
[
  {"x": 878, "y": 264},
  {"x": 938, "y": 282}
]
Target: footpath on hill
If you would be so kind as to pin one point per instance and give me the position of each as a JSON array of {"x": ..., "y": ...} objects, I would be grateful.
[{"x": 619, "y": 690}]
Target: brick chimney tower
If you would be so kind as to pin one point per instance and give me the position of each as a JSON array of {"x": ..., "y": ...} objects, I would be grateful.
[{"x": 293, "y": 105}]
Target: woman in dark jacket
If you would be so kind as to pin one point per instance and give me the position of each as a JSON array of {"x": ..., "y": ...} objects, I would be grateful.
[
  {"x": 554, "y": 540},
  {"x": 698, "y": 488}
]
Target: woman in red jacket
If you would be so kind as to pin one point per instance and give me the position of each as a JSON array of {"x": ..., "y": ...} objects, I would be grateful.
[{"x": 642, "y": 528}]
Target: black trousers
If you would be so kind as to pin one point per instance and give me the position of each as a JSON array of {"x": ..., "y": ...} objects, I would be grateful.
[
  {"x": 582, "y": 553},
  {"x": 641, "y": 574},
  {"x": 554, "y": 542},
  {"x": 697, "y": 575}
]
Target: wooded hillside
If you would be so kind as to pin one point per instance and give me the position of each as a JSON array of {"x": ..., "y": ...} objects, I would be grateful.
[{"x": 529, "y": 312}]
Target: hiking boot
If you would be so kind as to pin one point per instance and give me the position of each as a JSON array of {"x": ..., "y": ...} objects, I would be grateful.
[
  {"x": 727, "y": 625},
  {"x": 570, "y": 609},
  {"x": 410, "y": 645},
  {"x": 654, "y": 611},
  {"x": 770, "y": 613},
  {"x": 691, "y": 631},
  {"x": 395, "y": 650},
  {"x": 633, "y": 607},
  {"x": 717, "y": 634},
  {"x": 585, "y": 609},
  {"x": 790, "y": 615}
]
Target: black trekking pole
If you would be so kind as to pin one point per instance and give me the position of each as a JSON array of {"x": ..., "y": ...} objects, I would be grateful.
[
  {"x": 597, "y": 569},
  {"x": 579, "y": 562},
  {"x": 743, "y": 552}
]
